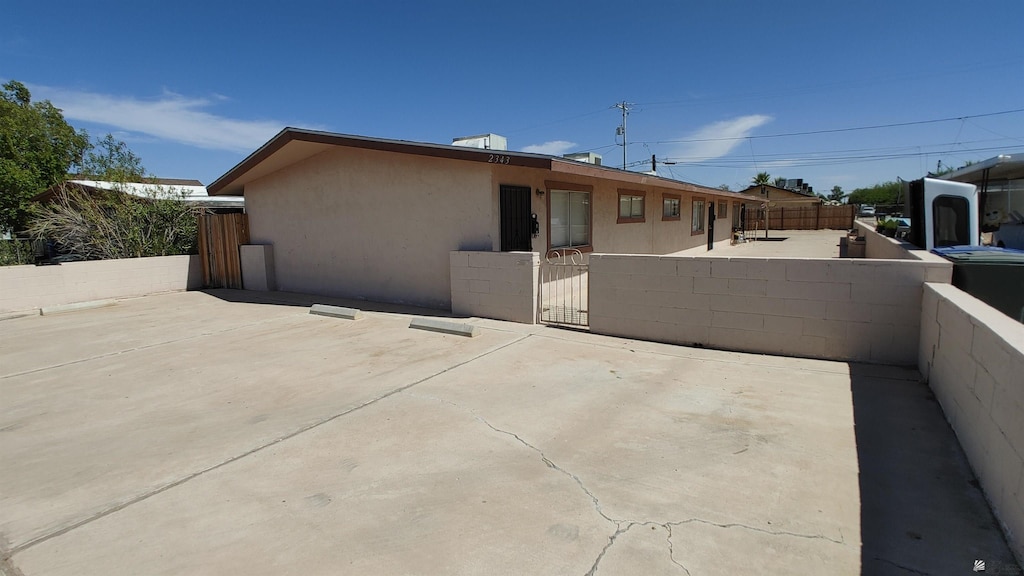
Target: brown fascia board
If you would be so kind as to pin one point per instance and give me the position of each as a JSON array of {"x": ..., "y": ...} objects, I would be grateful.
[
  {"x": 226, "y": 183},
  {"x": 568, "y": 166}
]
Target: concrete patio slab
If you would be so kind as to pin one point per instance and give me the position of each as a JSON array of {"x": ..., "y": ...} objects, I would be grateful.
[
  {"x": 779, "y": 244},
  {"x": 202, "y": 433}
]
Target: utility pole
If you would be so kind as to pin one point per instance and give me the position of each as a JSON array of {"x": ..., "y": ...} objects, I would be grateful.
[{"x": 624, "y": 106}]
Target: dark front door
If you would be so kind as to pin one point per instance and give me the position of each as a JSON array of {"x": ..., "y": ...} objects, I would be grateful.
[{"x": 515, "y": 219}]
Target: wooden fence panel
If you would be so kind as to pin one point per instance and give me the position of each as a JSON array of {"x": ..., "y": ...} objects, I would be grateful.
[
  {"x": 804, "y": 218},
  {"x": 220, "y": 235}
]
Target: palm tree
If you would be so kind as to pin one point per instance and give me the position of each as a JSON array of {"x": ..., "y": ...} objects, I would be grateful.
[{"x": 761, "y": 178}]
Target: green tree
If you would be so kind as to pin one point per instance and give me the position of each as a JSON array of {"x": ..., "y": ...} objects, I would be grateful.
[
  {"x": 111, "y": 160},
  {"x": 724, "y": 187},
  {"x": 779, "y": 182},
  {"x": 761, "y": 178},
  {"x": 37, "y": 147},
  {"x": 883, "y": 193},
  {"x": 836, "y": 194}
]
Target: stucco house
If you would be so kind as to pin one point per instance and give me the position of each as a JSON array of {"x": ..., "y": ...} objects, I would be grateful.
[
  {"x": 376, "y": 219},
  {"x": 781, "y": 196}
]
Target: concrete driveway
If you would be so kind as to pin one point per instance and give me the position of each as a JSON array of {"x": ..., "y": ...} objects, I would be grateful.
[{"x": 234, "y": 433}]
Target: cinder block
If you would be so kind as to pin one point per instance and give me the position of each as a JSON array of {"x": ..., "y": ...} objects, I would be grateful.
[
  {"x": 984, "y": 389},
  {"x": 785, "y": 326},
  {"x": 480, "y": 286},
  {"x": 892, "y": 294},
  {"x": 991, "y": 352},
  {"x": 710, "y": 285},
  {"x": 1003, "y": 466},
  {"x": 696, "y": 301},
  {"x": 736, "y": 339},
  {"x": 694, "y": 267},
  {"x": 745, "y": 287},
  {"x": 744, "y": 304},
  {"x": 808, "y": 290},
  {"x": 844, "y": 348},
  {"x": 736, "y": 320},
  {"x": 766, "y": 268},
  {"x": 956, "y": 326},
  {"x": 847, "y": 311},
  {"x": 693, "y": 317},
  {"x": 1008, "y": 415},
  {"x": 829, "y": 329},
  {"x": 815, "y": 309},
  {"x": 728, "y": 268},
  {"x": 939, "y": 273},
  {"x": 812, "y": 346},
  {"x": 898, "y": 315},
  {"x": 809, "y": 270}
]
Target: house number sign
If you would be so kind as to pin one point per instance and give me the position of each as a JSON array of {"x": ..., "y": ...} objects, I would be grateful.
[{"x": 498, "y": 159}]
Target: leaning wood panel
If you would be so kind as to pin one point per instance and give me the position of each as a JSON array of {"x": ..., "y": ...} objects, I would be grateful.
[{"x": 220, "y": 235}]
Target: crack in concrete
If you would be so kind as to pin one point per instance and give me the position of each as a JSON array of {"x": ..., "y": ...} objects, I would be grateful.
[
  {"x": 630, "y": 523},
  {"x": 672, "y": 552},
  {"x": 547, "y": 461},
  {"x": 842, "y": 541},
  {"x": 619, "y": 530}
]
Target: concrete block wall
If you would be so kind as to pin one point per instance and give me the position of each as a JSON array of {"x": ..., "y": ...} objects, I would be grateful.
[
  {"x": 842, "y": 309},
  {"x": 880, "y": 246},
  {"x": 500, "y": 285},
  {"x": 973, "y": 358},
  {"x": 31, "y": 287}
]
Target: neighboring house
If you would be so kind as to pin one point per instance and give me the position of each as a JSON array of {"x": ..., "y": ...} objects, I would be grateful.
[
  {"x": 782, "y": 196},
  {"x": 1000, "y": 180},
  {"x": 191, "y": 191},
  {"x": 376, "y": 219}
]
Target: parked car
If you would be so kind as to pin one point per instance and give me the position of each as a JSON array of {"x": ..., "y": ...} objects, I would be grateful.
[{"x": 867, "y": 210}]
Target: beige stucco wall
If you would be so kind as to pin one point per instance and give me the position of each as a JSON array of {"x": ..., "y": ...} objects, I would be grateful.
[
  {"x": 840, "y": 309},
  {"x": 652, "y": 236},
  {"x": 973, "y": 357},
  {"x": 30, "y": 287},
  {"x": 380, "y": 226},
  {"x": 371, "y": 225}
]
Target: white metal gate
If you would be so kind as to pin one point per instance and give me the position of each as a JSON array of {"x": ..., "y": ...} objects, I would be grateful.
[{"x": 564, "y": 289}]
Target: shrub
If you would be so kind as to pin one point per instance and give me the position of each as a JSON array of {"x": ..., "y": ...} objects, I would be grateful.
[{"x": 104, "y": 225}]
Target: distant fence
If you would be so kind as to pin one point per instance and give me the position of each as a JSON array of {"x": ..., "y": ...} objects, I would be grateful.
[
  {"x": 818, "y": 217},
  {"x": 220, "y": 235}
]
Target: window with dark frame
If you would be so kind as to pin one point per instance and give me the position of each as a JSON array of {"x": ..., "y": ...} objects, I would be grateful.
[
  {"x": 631, "y": 206},
  {"x": 723, "y": 209},
  {"x": 697, "y": 217},
  {"x": 671, "y": 205},
  {"x": 569, "y": 218}
]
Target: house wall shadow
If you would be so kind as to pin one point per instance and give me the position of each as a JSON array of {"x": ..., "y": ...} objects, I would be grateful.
[{"x": 307, "y": 300}]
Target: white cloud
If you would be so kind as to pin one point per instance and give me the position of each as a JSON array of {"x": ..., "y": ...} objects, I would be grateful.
[
  {"x": 717, "y": 139},
  {"x": 553, "y": 148},
  {"x": 170, "y": 117}
]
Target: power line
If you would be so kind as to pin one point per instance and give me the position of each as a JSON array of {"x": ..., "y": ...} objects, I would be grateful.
[{"x": 837, "y": 130}]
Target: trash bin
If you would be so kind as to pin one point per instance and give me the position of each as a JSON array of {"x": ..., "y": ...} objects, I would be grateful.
[{"x": 993, "y": 275}]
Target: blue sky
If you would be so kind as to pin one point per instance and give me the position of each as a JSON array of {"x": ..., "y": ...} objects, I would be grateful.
[{"x": 194, "y": 87}]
